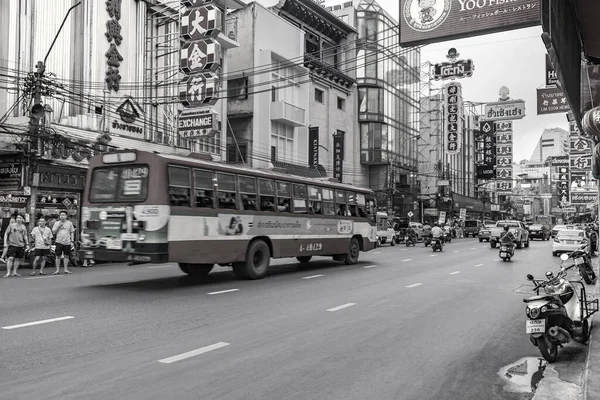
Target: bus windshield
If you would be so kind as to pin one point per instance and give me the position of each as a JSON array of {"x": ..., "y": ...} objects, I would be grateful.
[{"x": 119, "y": 183}]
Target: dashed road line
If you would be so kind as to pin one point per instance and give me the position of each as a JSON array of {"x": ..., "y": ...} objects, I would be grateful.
[
  {"x": 44, "y": 277},
  {"x": 473, "y": 248},
  {"x": 370, "y": 266},
  {"x": 479, "y": 265},
  {"x": 433, "y": 255},
  {"x": 193, "y": 353},
  {"x": 456, "y": 251},
  {"x": 224, "y": 291},
  {"x": 377, "y": 252},
  {"x": 454, "y": 273},
  {"x": 44, "y": 321},
  {"x": 338, "y": 308},
  {"x": 160, "y": 266},
  {"x": 414, "y": 285},
  {"x": 496, "y": 259},
  {"x": 408, "y": 259},
  {"x": 313, "y": 276}
]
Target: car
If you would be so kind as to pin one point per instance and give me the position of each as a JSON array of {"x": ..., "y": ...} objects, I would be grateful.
[
  {"x": 539, "y": 231},
  {"x": 556, "y": 229},
  {"x": 485, "y": 231},
  {"x": 568, "y": 240},
  {"x": 517, "y": 228},
  {"x": 472, "y": 228}
]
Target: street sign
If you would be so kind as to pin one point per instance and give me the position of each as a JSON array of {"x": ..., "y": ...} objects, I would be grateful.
[
  {"x": 463, "y": 214},
  {"x": 66, "y": 202},
  {"x": 410, "y": 214},
  {"x": 505, "y": 110}
]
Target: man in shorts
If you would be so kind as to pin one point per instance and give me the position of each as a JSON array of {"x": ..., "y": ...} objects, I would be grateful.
[
  {"x": 15, "y": 238},
  {"x": 42, "y": 238},
  {"x": 63, "y": 230}
]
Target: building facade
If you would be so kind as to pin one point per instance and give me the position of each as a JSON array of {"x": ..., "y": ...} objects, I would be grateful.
[
  {"x": 554, "y": 142},
  {"x": 111, "y": 80},
  {"x": 388, "y": 105}
]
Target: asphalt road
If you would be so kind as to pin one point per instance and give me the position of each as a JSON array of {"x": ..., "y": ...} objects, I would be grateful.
[{"x": 404, "y": 323}]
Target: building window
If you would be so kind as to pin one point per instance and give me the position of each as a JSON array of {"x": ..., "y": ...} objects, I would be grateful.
[
  {"x": 319, "y": 95},
  {"x": 237, "y": 153},
  {"x": 344, "y": 18},
  {"x": 341, "y": 104},
  {"x": 237, "y": 89},
  {"x": 273, "y": 93},
  {"x": 282, "y": 138}
]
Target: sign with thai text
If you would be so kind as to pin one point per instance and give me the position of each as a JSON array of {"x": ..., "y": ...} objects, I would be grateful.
[
  {"x": 551, "y": 101},
  {"x": 11, "y": 174},
  {"x": 584, "y": 197},
  {"x": 505, "y": 110},
  {"x": 451, "y": 70},
  {"x": 551, "y": 77},
  {"x": 487, "y": 160}
]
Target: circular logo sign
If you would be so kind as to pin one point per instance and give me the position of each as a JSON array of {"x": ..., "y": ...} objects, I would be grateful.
[{"x": 426, "y": 15}]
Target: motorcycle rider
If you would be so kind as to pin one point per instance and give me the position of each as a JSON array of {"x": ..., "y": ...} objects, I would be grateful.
[
  {"x": 437, "y": 232},
  {"x": 410, "y": 232},
  {"x": 507, "y": 238}
]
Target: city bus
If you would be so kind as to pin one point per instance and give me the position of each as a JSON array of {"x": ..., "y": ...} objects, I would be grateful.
[{"x": 148, "y": 207}]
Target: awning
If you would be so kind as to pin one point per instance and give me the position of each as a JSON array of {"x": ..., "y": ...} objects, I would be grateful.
[{"x": 470, "y": 203}]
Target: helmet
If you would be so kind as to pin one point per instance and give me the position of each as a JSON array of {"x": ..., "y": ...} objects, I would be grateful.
[
  {"x": 506, "y": 228},
  {"x": 436, "y": 224}
]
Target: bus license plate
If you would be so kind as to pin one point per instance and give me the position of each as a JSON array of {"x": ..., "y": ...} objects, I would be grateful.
[
  {"x": 129, "y": 237},
  {"x": 579, "y": 261},
  {"x": 535, "y": 326}
]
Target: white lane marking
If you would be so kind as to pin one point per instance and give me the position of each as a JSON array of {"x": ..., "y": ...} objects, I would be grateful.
[
  {"x": 479, "y": 265},
  {"x": 377, "y": 252},
  {"x": 454, "y": 273},
  {"x": 497, "y": 259},
  {"x": 408, "y": 259},
  {"x": 341, "y": 307},
  {"x": 433, "y": 255},
  {"x": 414, "y": 285},
  {"x": 404, "y": 249},
  {"x": 193, "y": 353},
  {"x": 44, "y": 277},
  {"x": 224, "y": 291},
  {"x": 312, "y": 276},
  {"x": 45, "y": 321},
  {"x": 456, "y": 251},
  {"x": 370, "y": 266},
  {"x": 160, "y": 266},
  {"x": 472, "y": 248}
]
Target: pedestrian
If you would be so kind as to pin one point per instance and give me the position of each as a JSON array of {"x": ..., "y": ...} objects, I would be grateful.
[
  {"x": 63, "y": 230},
  {"x": 15, "y": 238},
  {"x": 42, "y": 238},
  {"x": 5, "y": 250}
]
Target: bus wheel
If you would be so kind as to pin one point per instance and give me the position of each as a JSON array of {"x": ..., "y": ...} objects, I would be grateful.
[
  {"x": 184, "y": 268},
  {"x": 353, "y": 250},
  {"x": 199, "y": 270},
  {"x": 304, "y": 259},
  {"x": 256, "y": 266}
]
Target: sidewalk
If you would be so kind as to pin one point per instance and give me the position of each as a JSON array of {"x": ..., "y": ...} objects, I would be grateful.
[{"x": 591, "y": 379}]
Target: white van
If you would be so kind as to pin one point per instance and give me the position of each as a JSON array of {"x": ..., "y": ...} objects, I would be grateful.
[
  {"x": 418, "y": 228},
  {"x": 385, "y": 229}
]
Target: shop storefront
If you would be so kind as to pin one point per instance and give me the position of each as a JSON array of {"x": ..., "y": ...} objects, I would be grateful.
[{"x": 474, "y": 207}]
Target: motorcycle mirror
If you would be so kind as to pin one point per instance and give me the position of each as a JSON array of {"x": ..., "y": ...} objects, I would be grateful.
[
  {"x": 529, "y": 277},
  {"x": 549, "y": 274},
  {"x": 564, "y": 257}
]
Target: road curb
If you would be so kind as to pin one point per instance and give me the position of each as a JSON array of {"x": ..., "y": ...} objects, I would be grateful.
[{"x": 592, "y": 364}]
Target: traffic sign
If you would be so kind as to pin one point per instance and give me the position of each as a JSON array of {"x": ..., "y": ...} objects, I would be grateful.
[{"x": 410, "y": 214}]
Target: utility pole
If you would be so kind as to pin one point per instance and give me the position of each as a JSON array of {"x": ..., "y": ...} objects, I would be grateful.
[{"x": 36, "y": 125}]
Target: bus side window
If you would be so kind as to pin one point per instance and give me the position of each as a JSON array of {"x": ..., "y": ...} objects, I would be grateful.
[
  {"x": 342, "y": 207},
  {"x": 300, "y": 199},
  {"x": 371, "y": 207},
  {"x": 203, "y": 187},
  {"x": 328, "y": 202},
  {"x": 226, "y": 191},
  {"x": 361, "y": 204},
  {"x": 248, "y": 192},
  {"x": 352, "y": 206},
  {"x": 266, "y": 191},
  {"x": 284, "y": 196},
  {"x": 179, "y": 186},
  {"x": 314, "y": 200}
]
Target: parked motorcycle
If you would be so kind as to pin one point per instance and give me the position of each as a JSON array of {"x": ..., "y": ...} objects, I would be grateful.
[
  {"x": 583, "y": 261},
  {"x": 409, "y": 241},
  {"x": 560, "y": 315},
  {"x": 437, "y": 244},
  {"x": 506, "y": 252}
]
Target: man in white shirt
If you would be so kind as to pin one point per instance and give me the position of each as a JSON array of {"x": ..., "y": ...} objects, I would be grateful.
[{"x": 437, "y": 232}]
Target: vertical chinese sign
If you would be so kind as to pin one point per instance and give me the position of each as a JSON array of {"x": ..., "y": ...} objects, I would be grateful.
[
  {"x": 200, "y": 61},
  {"x": 113, "y": 34},
  {"x": 504, "y": 157},
  {"x": 338, "y": 155},
  {"x": 454, "y": 113},
  {"x": 486, "y": 161},
  {"x": 580, "y": 163}
]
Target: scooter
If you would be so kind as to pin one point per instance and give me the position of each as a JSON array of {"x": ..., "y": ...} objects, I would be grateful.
[
  {"x": 408, "y": 240},
  {"x": 447, "y": 237},
  {"x": 560, "y": 315},
  {"x": 506, "y": 252},
  {"x": 427, "y": 240},
  {"x": 437, "y": 244},
  {"x": 583, "y": 261}
]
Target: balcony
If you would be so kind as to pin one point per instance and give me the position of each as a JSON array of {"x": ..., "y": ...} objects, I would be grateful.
[
  {"x": 288, "y": 114},
  {"x": 228, "y": 38},
  {"x": 327, "y": 71}
]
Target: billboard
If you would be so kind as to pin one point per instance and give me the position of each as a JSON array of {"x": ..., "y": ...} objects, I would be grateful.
[
  {"x": 551, "y": 100},
  {"x": 487, "y": 161},
  {"x": 454, "y": 113},
  {"x": 430, "y": 21}
]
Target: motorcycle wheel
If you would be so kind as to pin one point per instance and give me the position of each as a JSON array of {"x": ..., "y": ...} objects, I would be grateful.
[
  {"x": 548, "y": 348},
  {"x": 584, "y": 274},
  {"x": 392, "y": 243}
]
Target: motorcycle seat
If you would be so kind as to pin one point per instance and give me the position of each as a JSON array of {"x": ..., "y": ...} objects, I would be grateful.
[{"x": 540, "y": 297}]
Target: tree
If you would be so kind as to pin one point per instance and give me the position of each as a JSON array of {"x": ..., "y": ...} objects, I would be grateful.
[{"x": 509, "y": 206}]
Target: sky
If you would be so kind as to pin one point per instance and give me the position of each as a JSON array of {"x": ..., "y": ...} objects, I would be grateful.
[{"x": 515, "y": 59}]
